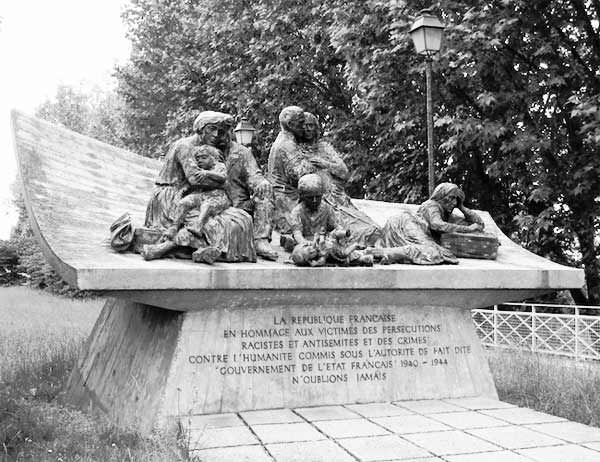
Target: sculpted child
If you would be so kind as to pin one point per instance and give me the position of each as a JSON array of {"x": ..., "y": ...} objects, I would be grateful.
[
  {"x": 226, "y": 237},
  {"x": 314, "y": 227},
  {"x": 208, "y": 201}
]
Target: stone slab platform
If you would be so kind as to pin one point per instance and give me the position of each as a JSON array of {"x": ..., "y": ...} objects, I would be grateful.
[
  {"x": 453, "y": 430},
  {"x": 75, "y": 187}
]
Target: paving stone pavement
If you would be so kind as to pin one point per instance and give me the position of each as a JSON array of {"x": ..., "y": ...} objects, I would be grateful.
[{"x": 452, "y": 430}]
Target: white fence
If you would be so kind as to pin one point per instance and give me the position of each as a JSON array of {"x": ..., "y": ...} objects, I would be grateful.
[{"x": 568, "y": 334}]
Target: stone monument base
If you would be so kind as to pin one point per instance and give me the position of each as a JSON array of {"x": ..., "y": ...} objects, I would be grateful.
[
  {"x": 184, "y": 339},
  {"x": 148, "y": 367}
]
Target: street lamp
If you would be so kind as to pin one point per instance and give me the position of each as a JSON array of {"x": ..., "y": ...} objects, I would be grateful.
[
  {"x": 244, "y": 131},
  {"x": 426, "y": 33}
]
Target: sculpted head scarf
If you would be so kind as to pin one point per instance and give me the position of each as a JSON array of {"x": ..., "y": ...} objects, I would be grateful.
[
  {"x": 211, "y": 117},
  {"x": 443, "y": 190}
]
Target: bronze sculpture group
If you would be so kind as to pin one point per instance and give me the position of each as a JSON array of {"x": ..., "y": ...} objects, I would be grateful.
[{"x": 212, "y": 202}]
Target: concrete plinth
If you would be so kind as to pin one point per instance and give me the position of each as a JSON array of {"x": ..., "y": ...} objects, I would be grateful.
[{"x": 150, "y": 367}]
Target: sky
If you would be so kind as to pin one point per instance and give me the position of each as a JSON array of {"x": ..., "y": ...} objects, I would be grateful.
[{"x": 44, "y": 44}]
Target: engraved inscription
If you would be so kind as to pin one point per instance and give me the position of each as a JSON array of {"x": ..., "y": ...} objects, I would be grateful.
[{"x": 340, "y": 348}]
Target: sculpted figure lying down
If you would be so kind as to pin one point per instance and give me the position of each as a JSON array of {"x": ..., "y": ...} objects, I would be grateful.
[{"x": 414, "y": 237}]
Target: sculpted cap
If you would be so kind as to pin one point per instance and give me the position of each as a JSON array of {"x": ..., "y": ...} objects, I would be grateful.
[
  {"x": 211, "y": 117},
  {"x": 310, "y": 183}
]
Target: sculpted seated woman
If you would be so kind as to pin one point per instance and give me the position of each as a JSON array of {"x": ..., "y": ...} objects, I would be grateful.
[
  {"x": 189, "y": 203},
  {"x": 298, "y": 151}
]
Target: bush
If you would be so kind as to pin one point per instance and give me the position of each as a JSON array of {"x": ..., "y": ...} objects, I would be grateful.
[
  {"x": 9, "y": 260},
  {"x": 31, "y": 267}
]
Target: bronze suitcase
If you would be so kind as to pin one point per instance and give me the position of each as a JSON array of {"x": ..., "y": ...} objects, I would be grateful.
[{"x": 471, "y": 245}]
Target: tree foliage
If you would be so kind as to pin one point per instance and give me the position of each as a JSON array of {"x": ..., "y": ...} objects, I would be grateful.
[
  {"x": 96, "y": 113},
  {"x": 523, "y": 76},
  {"x": 231, "y": 56},
  {"x": 516, "y": 91}
]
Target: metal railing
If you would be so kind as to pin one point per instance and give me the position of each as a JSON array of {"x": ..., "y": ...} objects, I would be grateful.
[{"x": 530, "y": 328}]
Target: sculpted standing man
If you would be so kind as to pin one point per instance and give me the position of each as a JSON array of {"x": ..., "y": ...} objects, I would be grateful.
[
  {"x": 247, "y": 188},
  {"x": 287, "y": 165},
  {"x": 297, "y": 151}
]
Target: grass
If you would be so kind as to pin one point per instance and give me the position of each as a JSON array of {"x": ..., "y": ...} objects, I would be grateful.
[
  {"x": 551, "y": 384},
  {"x": 40, "y": 338},
  {"x": 38, "y": 328}
]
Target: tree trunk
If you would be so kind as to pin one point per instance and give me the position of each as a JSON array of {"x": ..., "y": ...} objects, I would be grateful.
[{"x": 589, "y": 258}]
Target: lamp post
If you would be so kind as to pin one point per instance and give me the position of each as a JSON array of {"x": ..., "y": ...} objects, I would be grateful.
[
  {"x": 426, "y": 33},
  {"x": 244, "y": 131}
]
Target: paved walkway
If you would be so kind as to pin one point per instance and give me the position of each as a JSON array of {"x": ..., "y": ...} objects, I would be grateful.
[{"x": 454, "y": 430}]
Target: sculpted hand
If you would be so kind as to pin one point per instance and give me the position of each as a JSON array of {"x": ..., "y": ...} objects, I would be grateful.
[
  {"x": 474, "y": 227},
  {"x": 319, "y": 163},
  {"x": 198, "y": 177},
  {"x": 472, "y": 216},
  {"x": 263, "y": 189}
]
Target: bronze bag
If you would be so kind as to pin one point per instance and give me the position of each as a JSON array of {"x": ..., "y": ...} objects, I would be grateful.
[{"x": 121, "y": 233}]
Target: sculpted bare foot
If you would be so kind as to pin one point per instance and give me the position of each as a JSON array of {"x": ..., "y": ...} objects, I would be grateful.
[
  {"x": 206, "y": 255},
  {"x": 264, "y": 250},
  {"x": 154, "y": 251}
]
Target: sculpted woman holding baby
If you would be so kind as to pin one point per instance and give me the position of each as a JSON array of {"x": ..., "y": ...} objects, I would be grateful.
[{"x": 190, "y": 203}]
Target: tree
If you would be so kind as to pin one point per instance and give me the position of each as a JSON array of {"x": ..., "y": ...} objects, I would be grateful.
[
  {"x": 516, "y": 88},
  {"x": 96, "y": 113},
  {"x": 526, "y": 74},
  {"x": 517, "y": 114},
  {"x": 231, "y": 56}
]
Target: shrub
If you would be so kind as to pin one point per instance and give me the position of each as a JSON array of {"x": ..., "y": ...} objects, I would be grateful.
[{"x": 31, "y": 267}]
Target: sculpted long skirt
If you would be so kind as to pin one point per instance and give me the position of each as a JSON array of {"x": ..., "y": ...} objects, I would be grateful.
[
  {"x": 231, "y": 231},
  {"x": 410, "y": 231}
]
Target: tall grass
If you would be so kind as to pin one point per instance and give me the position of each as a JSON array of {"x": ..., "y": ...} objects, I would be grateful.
[
  {"x": 558, "y": 386},
  {"x": 40, "y": 339},
  {"x": 40, "y": 329}
]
